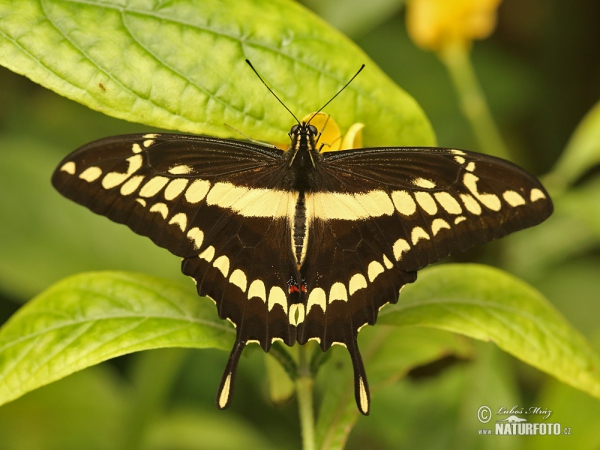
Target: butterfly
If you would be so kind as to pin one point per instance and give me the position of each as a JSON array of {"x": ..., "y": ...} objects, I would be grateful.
[{"x": 301, "y": 244}]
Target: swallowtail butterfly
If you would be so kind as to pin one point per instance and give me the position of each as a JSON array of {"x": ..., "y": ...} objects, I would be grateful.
[{"x": 300, "y": 244}]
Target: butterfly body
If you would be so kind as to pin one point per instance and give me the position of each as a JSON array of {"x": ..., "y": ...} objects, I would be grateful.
[{"x": 300, "y": 245}]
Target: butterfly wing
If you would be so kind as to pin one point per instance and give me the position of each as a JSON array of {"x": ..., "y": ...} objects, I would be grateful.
[
  {"x": 158, "y": 184},
  {"x": 430, "y": 202}
]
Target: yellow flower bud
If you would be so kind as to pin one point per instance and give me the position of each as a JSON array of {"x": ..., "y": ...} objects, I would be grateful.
[{"x": 436, "y": 24}]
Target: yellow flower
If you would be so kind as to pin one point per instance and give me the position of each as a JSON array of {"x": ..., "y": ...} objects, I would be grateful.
[
  {"x": 437, "y": 24},
  {"x": 331, "y": 135}
]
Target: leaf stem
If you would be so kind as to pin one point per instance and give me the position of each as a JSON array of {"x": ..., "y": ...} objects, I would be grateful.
[
  {"x": 304, "y": 393},
  {"x": 472, "y": 100}
]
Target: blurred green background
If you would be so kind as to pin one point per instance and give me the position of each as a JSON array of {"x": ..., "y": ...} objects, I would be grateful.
[{"x": 541, "y": 74}]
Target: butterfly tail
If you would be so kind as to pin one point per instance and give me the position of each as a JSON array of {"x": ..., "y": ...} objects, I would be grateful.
[
  {"x": 225, "y": 393},
  {"x": 361, "y": 385}
]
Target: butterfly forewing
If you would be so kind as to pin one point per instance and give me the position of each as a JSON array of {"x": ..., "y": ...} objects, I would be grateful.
[
  {"x": 300, "y": 245},
  {"x": 159, "y": 186},
  {"x": 433, "y": 202}
]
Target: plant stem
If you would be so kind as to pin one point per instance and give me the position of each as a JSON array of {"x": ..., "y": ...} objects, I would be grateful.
[
  {"x": 304, "y": 393},
  {"x": 472, "y": 99}
]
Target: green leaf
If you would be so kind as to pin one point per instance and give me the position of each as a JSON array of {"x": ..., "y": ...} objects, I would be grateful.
[
  {"x": 185, "y": 428},
  {"x": 87, "y": 410},
  {"x": 487, "y": 304},
  {"x": 388, "y": 354},
  {"x": 576, "y": 412},
  {"x": 89, "y": 318},
  {"x": 355, "y": 17},
  {"x": 581, "y": 154},
  {"x": 581, "y": 203},
  {"x": 180, "y": 65}
]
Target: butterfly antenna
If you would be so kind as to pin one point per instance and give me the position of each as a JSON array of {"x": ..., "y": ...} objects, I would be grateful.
[
  {"x": 271, "y": 90},
  {"x": 338, "y": 92}
]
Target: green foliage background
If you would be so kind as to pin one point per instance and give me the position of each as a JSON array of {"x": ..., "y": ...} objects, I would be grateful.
[{"x": 540, "y": 72}]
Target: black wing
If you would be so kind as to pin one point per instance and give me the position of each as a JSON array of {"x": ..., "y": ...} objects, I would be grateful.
[{"x": 443, "y": 200}]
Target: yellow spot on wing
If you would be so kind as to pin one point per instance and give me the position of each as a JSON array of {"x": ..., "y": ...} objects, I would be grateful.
[
  {"x": 448, "y": 202},
  {"x": 422, "y": 182},
  {"x": 160, "y": 208},
  {"x": 317, "y": 297},
  {"x": 224, "y": 397},
  {"x": 338, "y": 292},
  {"x": 417, "y": 234},
  {"x": 344, "y": 206},
  {"x": 153, "y": 186},
  {"x": 180, "y": 170},
  {"x": 404, "y": 202},
  {"x": 69, "y": 167},
  {"x": 471, "y": 204},
  {"x": 276, "y": 296},
  {"x": 257, "y": 289},
  {"x": 536, "y": 194},
  {"x": 296, "y": 314},
  {"x": 490, "y": 201},
  {"x": 238, "y": 278},
  {"x": 197, "y": 191},
  {"x": 374, "y": 269},
  {"x": 179, "y": 219},
  {"x": 175, "y": 188},
  {"x": 426, "y": 202},
  {"x": 513, "y": 198},
  {"x": 400, "y": 246},
  {"x": 364, "y": 398},
  {"x": 113, "y": 179},
  {"x": 197, "y": 236},
  {"x": 357, "y": 282},
  {"x": 131, "y": 185},
  {"x": 439, "y": 224},
  {"x": 208, "y": 254},
  {"x": 91, "y": 174},
  {"x": 252, "y": 202},
  {"x": 222, "y": 264}
]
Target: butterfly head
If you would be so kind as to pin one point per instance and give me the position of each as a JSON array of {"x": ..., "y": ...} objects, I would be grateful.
[{"x": 304, "y": 138}]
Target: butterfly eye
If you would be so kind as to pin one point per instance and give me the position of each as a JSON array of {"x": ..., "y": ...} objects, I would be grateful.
[
  {"x": 313, "y": 130},
  {"x": 294, "y": 130}
]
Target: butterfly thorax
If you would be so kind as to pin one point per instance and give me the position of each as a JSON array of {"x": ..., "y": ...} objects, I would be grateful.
[{"x": 303, "y": 157}]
